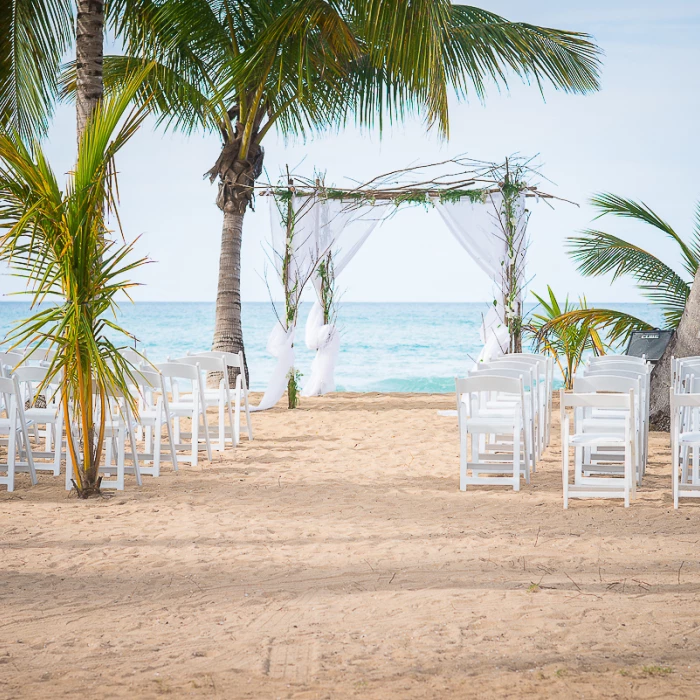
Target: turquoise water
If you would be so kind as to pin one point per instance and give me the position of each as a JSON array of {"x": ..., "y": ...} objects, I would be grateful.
[{"x": 385, "y": 347}]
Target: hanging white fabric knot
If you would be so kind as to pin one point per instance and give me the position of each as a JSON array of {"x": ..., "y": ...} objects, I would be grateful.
[
  {"x": 280, "y": 344},
  {"x": 325, "y": 340}
]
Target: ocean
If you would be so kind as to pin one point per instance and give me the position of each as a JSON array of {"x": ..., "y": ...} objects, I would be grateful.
[{"x": 386, "y": 347}]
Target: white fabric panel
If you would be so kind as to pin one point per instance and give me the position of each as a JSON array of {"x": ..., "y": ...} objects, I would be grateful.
[
  {"x": 478, "y": 227},
  {"x": 280, "y": 344},
  {"x": 344, "y": 226},
  {"x": 318, "y": 224},
  {"x": 302, "y": 265}
]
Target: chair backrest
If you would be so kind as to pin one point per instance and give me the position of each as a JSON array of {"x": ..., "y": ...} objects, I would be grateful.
[
  {"x": 615, "y": 372},
  {"x": 148, "y": 379},
  {"x": 134, "y": 357},
  {"x": 488, "y": 383},
  {"x": 598, "y": 383},
  {"x": 622, "y": 401},
  {"x": 11, "y": 360},
  {"x": 691, "y": 398},
  {"x": 526, "y": 374},
  {"x": 204, "y": 362},
  {"x": 232, "y": 359},
  {"x": 11, "y": 397},
  {"x": 34, "y": 353},
  {"x": 32, "y": 374},
  {"x": 617, "y": 358},
  {"x": 178, "y": 370}
]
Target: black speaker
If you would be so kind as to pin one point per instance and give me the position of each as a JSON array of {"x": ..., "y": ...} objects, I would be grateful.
[{"x": 648, "y": 344}]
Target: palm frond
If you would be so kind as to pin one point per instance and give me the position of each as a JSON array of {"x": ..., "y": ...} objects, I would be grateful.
[
  {"x": 626, "y": 208},
  {"x": 598, "y": 253},
  {"x": 34, "y": 34},
  {"x": 614, "y": 326},
  {"x": 175, "y": 103}
]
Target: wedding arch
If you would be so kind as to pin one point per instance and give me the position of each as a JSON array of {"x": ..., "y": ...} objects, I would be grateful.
[{"x": 317, "y": 230}]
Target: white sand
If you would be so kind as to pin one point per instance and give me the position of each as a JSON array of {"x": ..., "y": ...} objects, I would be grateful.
[{"x": 335, "y": 557}]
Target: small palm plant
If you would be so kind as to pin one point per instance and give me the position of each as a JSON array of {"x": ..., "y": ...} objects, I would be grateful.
[
  {"x": 567, "y": 343},
  {"x": 60, "y": 243}
]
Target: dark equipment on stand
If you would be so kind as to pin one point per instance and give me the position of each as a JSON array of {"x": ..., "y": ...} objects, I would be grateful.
[{"x": 649, "y": 344}]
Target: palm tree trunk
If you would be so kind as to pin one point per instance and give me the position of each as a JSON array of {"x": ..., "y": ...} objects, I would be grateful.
[
  {"x": 685, "y": 342},
  {"x": 89, "y": 41},
  {"x": 228, "y": 329},
  {"x": 236, "y": 180}
]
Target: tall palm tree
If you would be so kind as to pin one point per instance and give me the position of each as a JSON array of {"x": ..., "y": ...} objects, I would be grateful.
[
  {"x": 599, "y": 253},
  {"x": 58, "y": 241},
  {"x": 246, "y": 67}
]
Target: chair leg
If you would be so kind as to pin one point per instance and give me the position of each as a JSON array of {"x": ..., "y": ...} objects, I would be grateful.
[
  {"x": 11, "y": 456},
  {"x": 516, "y": 457},
  {"x": 195, "y": 437},
  {"x": 222, "y": 424},
  {"x": 675, "y": 473},
  {"x": 463, "y": 456},
  {"x": 58, "y": 444},
  {"x": 158, "y": 430}
]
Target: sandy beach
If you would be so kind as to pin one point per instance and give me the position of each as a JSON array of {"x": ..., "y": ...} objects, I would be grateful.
[{"x": 335, "y": 557}]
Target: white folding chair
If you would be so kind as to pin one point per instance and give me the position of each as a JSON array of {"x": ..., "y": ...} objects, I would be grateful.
[
  {"x": 219, "y": 398},
  {"x": 9, "y": 361},
  {"x": 496, "y": 406},
  {"x": 609, "y": 459},
  {"x": 685, "y": 437},
  {"x": 49, "y": 415},
  {"x": 119, "y": 427},
  {"x": 597, "y": 486},
  {"x": 234, "y": 360},
  {"x": 539, "y": 392},
  {"x": 472, "y": 395},
  {"x": 547, "y": 386},
  {"x": 153, "y": 414},
  {"x": 13, "y": 428},
  {"x": 644, "y": 376},
  {"x": 184, "y": 404}
]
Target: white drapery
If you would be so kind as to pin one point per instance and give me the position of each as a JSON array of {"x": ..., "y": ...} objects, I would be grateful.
[
  {"x": 343, "y": 227},
  {"x": 480, "y": 228},
  {"x": 303, "y": 259},
  {"x": 319, "y": 223}
]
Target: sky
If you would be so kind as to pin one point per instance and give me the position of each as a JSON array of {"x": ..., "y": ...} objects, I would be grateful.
[{"x": 637, "y": 137}]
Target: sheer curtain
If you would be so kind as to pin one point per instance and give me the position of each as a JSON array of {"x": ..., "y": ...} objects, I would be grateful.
[
  {"x": 478, "y": 227},
  {"x": 304, "y": 257},
  {"x": 343, "y": 228},
  {"x": 319, "y": 226}
]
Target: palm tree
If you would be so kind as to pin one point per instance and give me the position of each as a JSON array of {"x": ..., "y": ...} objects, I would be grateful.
[
  {"x": 300, "y": 66},
  {"x": 58, "y": 241},
  {"x": 566, "y": 343},
  {"x": 599, "y": 253},
  {"x": 34, "y": 36}
]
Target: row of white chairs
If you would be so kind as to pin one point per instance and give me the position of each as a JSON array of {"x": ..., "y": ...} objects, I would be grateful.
[
  {"x": 166, "y": 394},
  {"x": 504, "y": 409},
  {"x": 605, "y": 420},
  {"x": 685, "y": 427}
]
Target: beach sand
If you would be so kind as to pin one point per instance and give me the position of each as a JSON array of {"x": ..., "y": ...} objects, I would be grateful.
[{"x": 335, "y": 557}]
